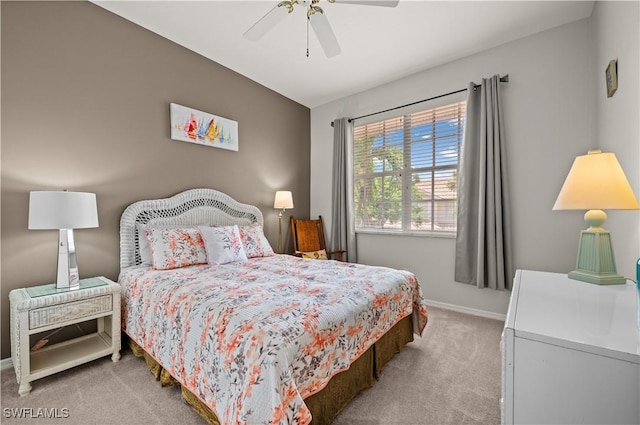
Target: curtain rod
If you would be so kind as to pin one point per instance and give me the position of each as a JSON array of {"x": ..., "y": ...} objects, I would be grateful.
[{"x": 503, "y": 79}]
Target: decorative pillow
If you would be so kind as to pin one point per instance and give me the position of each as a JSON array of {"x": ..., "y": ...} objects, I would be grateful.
[
  {"x": 254, "y": 242},
  {"x": 223, "y": 244},
  {"x": 174, "y": 247},
  {"x": 143, "y": 246},
  {"x": 316, "y": 255}
]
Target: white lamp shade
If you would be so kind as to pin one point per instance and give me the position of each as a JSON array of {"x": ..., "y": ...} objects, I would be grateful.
[
  {"x": 62, "y": 210},
  {"x": 284, "y": 199},
  {"x": 596, "y": 182}
]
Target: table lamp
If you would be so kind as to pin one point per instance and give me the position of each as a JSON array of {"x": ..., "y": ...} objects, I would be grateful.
[
  {"x": 283, "y": 201},
  {"x": 596, "y": 182},
  {"x": 64, "y": 211}
]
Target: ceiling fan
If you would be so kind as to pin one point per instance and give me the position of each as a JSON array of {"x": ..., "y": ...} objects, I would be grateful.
[{"x": 315, "y": 17}]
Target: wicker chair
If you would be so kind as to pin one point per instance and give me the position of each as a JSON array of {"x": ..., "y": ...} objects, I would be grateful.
[{"x": 308, "y": 236}]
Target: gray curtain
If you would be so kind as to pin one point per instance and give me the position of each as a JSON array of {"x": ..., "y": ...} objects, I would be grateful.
[
  {"x": 483, "y": 241},
  {"x": 343, "y": 235}
]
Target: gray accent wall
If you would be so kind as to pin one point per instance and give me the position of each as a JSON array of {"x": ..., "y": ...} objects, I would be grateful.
[{"x": 85, "y": 107}]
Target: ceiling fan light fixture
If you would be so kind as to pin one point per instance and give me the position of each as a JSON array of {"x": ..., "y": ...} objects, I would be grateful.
[
  {"x": 313, "y": 9},
  {"x": 288, "y": 4},
  {"x": 315, "y": 17}
]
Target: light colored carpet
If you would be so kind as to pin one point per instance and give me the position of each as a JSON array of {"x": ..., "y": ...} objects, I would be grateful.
[{"x": 449, "y": 376}]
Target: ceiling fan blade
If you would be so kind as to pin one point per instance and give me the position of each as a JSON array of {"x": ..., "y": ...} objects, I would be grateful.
[
  {"x": 266, "y": 23},
  {"x": 326, "y": 37},
  {"x": 383, "y": 3}
]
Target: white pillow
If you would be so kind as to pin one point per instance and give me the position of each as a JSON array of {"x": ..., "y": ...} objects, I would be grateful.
[{"x": 223, "y": 244}]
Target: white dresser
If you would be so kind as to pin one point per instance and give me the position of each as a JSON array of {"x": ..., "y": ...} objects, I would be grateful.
[{"x": 570, "y": 352}]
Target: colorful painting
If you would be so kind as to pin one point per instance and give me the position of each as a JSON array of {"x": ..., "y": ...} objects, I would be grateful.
[{"x": 191, "y": 125}]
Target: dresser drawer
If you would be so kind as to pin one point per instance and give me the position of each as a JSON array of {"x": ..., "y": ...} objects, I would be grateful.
[{"x": 55, "y": 314}]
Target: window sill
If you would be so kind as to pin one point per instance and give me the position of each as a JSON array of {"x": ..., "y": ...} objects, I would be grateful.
[{"x": 421, "y": 234}]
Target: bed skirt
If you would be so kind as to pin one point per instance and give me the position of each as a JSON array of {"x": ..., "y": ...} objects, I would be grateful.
[{"x": 341, "y": 389}]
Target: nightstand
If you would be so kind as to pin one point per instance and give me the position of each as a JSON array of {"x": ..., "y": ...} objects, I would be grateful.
[{"x": 45, "y": 308}]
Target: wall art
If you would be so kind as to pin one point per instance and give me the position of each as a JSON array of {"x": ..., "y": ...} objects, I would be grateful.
[
  {"x": 193, "y": 126},
  {"x": 611, "y": 74}
]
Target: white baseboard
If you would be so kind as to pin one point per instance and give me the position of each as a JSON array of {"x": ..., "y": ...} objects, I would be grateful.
[
  {"x": 467, "y": 310},
  {"x": 6, "y": 363}
]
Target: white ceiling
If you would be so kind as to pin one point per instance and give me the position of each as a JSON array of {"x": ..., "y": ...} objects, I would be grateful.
[{"x": 379, "y": 44}]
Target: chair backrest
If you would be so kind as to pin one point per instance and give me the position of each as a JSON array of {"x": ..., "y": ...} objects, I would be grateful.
[{"x": 307, "y": 235}]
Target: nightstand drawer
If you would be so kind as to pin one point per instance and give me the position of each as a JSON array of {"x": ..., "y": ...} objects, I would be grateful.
[{"x": 54, "y": 314}]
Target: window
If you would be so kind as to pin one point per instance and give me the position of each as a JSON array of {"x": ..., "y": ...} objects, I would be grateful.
[{"x": 405, "y": 171}]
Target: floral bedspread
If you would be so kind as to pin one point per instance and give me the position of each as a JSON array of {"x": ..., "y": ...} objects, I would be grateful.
[{"x": 253, "y": 339}]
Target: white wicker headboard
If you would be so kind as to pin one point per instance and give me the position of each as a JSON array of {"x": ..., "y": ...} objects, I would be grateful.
[{"x": 190, "y": 208}]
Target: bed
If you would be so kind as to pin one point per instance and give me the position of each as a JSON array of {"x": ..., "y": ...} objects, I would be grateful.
[{"x": 254, "y": 337}]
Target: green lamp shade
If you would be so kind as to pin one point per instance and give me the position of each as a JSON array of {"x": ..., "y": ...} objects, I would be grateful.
[{"x": 596, "y": 182}]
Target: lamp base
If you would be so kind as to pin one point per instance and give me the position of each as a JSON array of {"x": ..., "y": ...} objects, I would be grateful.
[
  {"x": 596, "y": 262},
  {"x": 598, "y": 278},
  {"x": 280, "y": 231},
  {"x": 67, "y": 276}
]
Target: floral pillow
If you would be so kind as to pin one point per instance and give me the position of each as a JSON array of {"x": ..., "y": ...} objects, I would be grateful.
[
  {"x": 223, "y": 244},
  {"x": 174, "y": 247},
  {"x": 143, "y": 242},
  {"x": 254, "y": 242},
  {"x": 316, "y": 255}
]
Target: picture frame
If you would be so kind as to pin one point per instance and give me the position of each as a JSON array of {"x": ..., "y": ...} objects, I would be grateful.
[
  {"x": 194, "y": 126},
  {"x": 611, "y": 74}
]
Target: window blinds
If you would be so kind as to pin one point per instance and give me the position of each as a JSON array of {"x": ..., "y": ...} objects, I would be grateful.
[{"x": 405, "y": 170}]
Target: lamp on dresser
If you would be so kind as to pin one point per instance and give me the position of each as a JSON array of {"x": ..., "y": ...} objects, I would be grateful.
[
  {"x": 64, "y": 211},
  {"x": 283, "y": 201},
  {"x": 596, "y": 182}
]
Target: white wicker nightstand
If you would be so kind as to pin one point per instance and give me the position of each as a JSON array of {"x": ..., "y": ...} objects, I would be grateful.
[{"x": 42, "y": 308}]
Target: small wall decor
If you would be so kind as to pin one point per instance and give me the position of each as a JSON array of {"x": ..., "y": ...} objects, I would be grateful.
[
  {"x": 612, "y": 77},
  {"x": 193, "y": 126}
]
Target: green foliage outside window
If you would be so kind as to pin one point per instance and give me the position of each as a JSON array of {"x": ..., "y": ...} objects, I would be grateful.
[{"x": 405, "y": 171}]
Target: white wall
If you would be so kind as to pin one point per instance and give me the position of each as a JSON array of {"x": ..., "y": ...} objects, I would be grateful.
[
  {"x": 549, "y": 113},
  {"x": 616, "y": 34}
]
